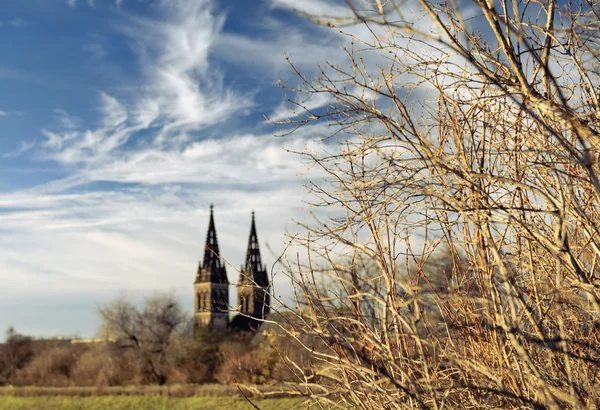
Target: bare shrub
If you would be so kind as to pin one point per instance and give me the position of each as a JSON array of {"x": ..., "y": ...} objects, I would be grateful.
[
  {"x": 199, "y": 355},
  {"x": 51, "y": 367},
  {"x": 95, "y": 367},
  {"x": 248, "y": 358},
  {"x": 15, "y": 353},
  {"x": 471, "y": 128}
]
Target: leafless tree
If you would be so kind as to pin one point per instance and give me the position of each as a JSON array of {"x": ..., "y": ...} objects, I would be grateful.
[
  {"x": 150, "y": 332},
  {"x": 14, "y": 354},
  {"x": 472, "y": 126}
]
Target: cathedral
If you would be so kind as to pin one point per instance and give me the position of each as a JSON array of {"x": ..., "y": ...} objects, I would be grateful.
[{"x": 211, "y": 287}]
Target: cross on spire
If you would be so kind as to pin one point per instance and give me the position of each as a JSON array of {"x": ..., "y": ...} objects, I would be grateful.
[
  {"x": 212, "y": 258},
  {"x": 254, "y": 267}
]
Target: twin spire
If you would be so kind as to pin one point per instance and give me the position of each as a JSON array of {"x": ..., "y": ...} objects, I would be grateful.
[
  {"x": 212, "y": 287},
  {"x": 212, "y": 268}
]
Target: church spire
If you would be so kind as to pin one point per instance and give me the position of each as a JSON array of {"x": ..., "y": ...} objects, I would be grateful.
[
  {"x": 253, "y": 287},
  {"x": 211, "y": 288},
  {"x": 254, "y": 268},
  {"x": 211, "y": 268},
  {"x": 212, "y": 258},
  {"x": 253, "y": 260}
]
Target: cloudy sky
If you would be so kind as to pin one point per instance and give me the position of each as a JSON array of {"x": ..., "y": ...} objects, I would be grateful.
[{"x": 121, "y": 121}]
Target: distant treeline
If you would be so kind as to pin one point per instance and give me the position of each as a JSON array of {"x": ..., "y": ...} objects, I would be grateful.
[{"x": 148, "y": 357}]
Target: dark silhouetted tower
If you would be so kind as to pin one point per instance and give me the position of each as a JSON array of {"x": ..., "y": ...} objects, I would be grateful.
[
  {"x": 253, "y": 286},
  {"x": 211, "y": 288}
]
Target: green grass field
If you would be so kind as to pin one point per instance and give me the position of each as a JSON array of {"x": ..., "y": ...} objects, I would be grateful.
[{"x": 145, "y": 403}]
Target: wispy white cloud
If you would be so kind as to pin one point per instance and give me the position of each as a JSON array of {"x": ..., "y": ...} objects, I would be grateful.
[
  {"x": 114, "y": 113},
  {"x": 238, "y": 160},
  {"x": 11, "y": 113},
  {"x": 265, "y": 50},
  {"x": 181, "y": 94},
  {"x": 183, "y": 83},
  {"x": 267, "y": 55},
  {"x": 71, "y": 3},
  {"x": 66, "y": 120},
  {"x": 330, "y": 8},
  {"x": 23, "y": 148}
]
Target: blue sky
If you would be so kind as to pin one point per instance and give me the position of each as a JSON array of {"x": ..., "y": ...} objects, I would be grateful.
[{"x": 121, "y": 121}]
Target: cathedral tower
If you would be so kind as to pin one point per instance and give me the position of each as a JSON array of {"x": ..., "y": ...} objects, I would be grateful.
[
  {"x": 253, "y": 287},
  {"x": 211, "y": 288}
]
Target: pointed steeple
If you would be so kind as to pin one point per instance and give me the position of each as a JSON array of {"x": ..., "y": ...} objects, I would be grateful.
[
  {"x": 254, "y": 269},
  {"x": 211, "y": 269},
  {"x": 212, "y": 257},
  {"x": 253, "y": 287},
  {"x": 253, "y": 260}
]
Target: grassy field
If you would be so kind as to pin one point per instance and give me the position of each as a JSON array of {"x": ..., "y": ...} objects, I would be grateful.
[
  {"x": 173, "y": 391},
  {"x": 145, "y": 403}
]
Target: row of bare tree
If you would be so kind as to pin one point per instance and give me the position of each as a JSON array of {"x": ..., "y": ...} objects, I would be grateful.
[{"x": 150, "y": 344}]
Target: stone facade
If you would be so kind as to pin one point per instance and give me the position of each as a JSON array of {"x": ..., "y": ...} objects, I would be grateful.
[
  {"x": 211, "y": 287},
  {"x": 253, "y": 286}
]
